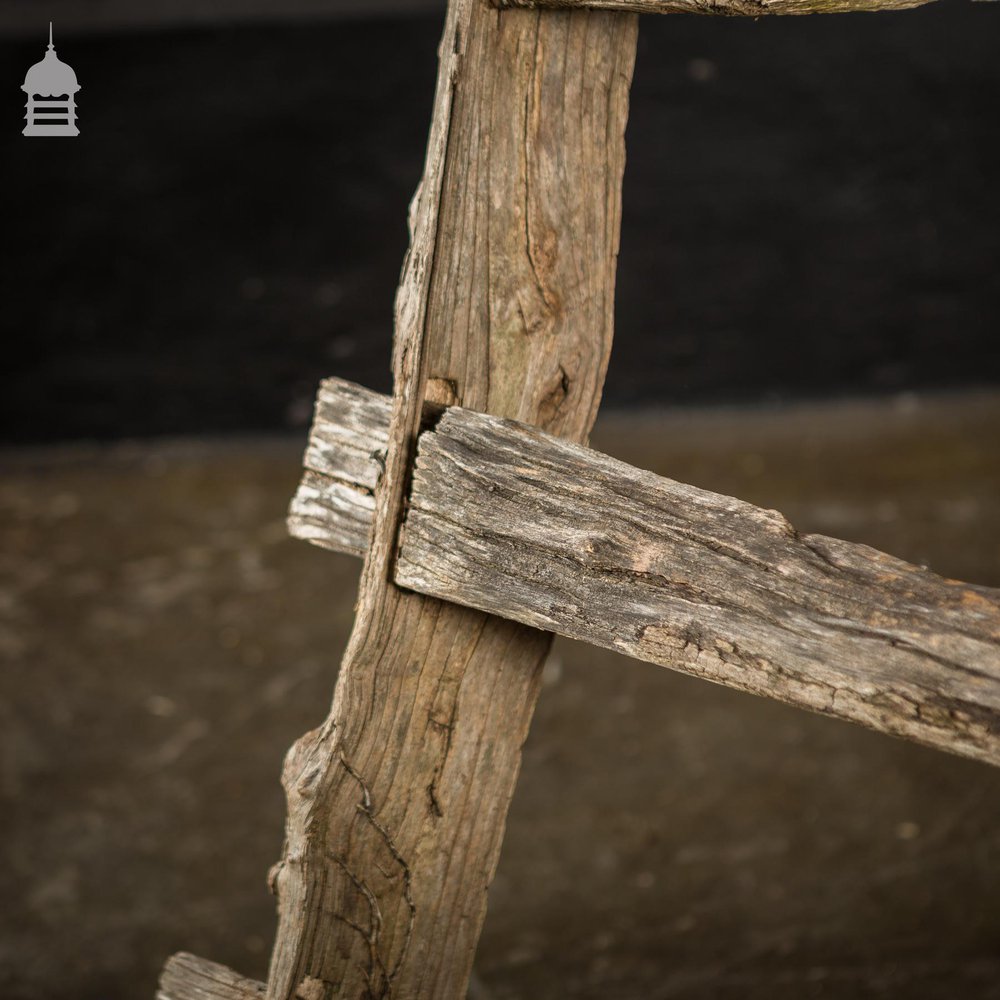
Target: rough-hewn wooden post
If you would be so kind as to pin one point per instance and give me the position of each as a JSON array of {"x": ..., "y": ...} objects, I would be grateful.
[{"x": 397, "y": 803}]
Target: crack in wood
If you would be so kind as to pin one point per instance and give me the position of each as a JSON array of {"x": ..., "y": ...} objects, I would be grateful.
[
  {"x": 365, "y": 807},
  {"x": 384, "y": 986}
]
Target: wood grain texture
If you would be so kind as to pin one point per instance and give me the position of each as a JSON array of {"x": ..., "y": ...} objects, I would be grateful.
[
  {"x": 905, "y": 667},
  {"x": 516, "y": 522},
  {"x": 447, "y": 501},
  {"x": 397, "y": 802},
  {"x": 187, "y": 977},
  {"x": 730, "y": 8},
  {"x": 334, "y": 505}
]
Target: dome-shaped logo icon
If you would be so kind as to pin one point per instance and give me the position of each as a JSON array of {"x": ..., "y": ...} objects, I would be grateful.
[{"x": 51, "y": 87}]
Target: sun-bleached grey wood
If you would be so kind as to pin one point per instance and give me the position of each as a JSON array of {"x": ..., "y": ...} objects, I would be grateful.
[
  {"x": 335, "y": 502},
  {"x": 187, "y": 977},
  {"x": 732, "y": 8},
  {"x": 513, "y": 521}
]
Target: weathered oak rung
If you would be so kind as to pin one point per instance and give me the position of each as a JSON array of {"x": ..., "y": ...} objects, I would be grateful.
[
  {"x": 513, "y": 521},
  {"x": 738, "y": 8},
  {"x": 187, "y": 977}
]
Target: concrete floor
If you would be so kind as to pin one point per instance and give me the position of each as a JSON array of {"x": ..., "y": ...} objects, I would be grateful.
[{"x": 164, "y": 642}]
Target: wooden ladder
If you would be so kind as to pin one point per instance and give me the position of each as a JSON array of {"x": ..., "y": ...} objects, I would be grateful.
[{"x": 486, "y": 525}]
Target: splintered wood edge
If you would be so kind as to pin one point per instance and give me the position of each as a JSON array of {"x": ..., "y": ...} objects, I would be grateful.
[
  {"x": 335, "y": 502},
  {"x": 187, "y": 977}
]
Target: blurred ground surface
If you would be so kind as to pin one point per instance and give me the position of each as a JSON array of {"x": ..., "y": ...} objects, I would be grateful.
[
  {"x": 810, "y": 207},
  {"x": 164, "y": 643}
]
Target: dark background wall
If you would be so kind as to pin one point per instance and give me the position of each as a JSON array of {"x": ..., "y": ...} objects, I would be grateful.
[{"x": 811, "y": 207}]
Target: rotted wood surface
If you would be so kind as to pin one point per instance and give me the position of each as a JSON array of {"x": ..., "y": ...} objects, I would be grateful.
[
  {"x": 731, "y": 8},
  {"x": 397, "y": 802},
  {"x": 514, "y": 521}
]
